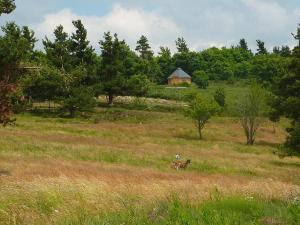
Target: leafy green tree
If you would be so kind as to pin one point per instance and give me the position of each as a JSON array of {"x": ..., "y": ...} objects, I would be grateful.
[
  {"x": 242, "y": 70},
  {"x": 220, "y": 97},
  {"x": 267, "y": 68},
  {"x": 143, "y": 48},
  {"x": 112, "y": 70},
  {"x": 182, "y": 46},
  {"x": 201, "y": 79},
  {"x": 261, "y": 49},
  {"x": 47, "y": 85},
  {"x": 7, "y": 6},
  {"x": 138, "y": 85},
  {"x": 251, "y": 107},
  {"x": 188, "y": 61},
  {"x": 221, "y": 70},
  {"x": 201, "y": 110}
]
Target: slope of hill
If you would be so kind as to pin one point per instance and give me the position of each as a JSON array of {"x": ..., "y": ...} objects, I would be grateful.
[{"x": 75, "y": 171}]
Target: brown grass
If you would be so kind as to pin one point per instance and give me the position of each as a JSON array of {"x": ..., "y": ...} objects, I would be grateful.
[{"x": 220, "y": 162}]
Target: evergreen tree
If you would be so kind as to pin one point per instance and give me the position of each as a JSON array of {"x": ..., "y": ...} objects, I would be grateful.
[
  {"x": 182, "y": 45},
  {"x": 261, "y": 50},
  {"x": 243, "y": 45},
  {"x": 287, "y": 100},
  {"x": 7, "y": 6},
  {"x": 14, "y": 48},
  {"x": 166, "y": 64},
  {"x": 143, "y": 48},
  {"x": 297, "y": 36},
  {"x": 29, "y": 35},
  {"x": 276, "y": 50},
  {"x": 284, "y": 51},
  {"x": 112, "y": 67},
  {"x": 58, "y": 52},
  {"x": 79, "y": 45}
]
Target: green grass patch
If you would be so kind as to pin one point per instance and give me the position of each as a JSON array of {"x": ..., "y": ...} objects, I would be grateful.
[{"x": 228, "y": 211}]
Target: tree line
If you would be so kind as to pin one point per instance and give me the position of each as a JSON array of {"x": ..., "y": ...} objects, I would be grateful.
[{"x": 70, "y": 71}]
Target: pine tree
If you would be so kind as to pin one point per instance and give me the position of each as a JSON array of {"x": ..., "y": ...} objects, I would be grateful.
[
  {"x": 14, "y": 48},
  {"x": 261, "y": 48},
  {"x": 166, "y": 63},
  {"x": 7, "y": 6},
  {"x": 182, "y": 45},
  {"x": 112, "y": 67},
  {"x": 80, "y": 46},
  {"x": 143, "y": 48},
  {"x": 58, "y": 52},
  {"x": 287, "y": 97},
  {"x": 243, "y": 45}
]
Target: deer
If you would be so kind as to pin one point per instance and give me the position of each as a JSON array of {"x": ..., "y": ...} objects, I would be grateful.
[{"x": 181, "y": 165}]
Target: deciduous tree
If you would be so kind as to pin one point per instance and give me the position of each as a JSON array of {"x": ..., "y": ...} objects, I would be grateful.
[
  {"x": 201, "y": 110},
  {"x": 251, "y": 108}
]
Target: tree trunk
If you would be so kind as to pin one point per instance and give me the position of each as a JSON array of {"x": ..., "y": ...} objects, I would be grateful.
[
  {"x": 110, "y": 100},
  {"x": 250, "y": 139},
  {"x": 72, "y": 112},
  {"x": 274, "y": 128},
  {"x": 199, "y": 130}
]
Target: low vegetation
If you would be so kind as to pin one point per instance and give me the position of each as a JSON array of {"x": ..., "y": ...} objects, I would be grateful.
[{"x": 85, "y": 171}]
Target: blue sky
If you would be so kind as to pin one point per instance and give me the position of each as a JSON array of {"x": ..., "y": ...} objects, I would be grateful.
[{"x": 203, "y": 23}]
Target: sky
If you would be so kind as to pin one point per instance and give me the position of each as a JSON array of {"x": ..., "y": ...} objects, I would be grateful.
[{"x": 203, "y": 23}]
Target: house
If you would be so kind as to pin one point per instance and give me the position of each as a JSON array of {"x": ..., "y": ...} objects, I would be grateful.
[{"x": 179, "y": 77}]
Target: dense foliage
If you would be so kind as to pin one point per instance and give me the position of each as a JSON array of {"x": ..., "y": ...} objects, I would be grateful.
[{"x": 287, "y": 97}]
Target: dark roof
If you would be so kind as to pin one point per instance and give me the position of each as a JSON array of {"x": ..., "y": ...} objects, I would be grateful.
[{"x": 180, "y": 74}]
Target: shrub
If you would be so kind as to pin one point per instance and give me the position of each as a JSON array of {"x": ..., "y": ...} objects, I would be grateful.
[
  {"x": 201, "y": 79},
  {"x": 138, "y": 85},
  {"x": 79, "y": 99},
  {"x": 220, "y": 96}
]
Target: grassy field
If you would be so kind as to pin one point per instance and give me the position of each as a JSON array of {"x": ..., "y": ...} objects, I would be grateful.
[
  {"x": 115, "y": 169},
  {"x": 233, "y": 93}
]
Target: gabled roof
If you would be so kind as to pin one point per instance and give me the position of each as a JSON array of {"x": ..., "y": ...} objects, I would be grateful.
[{"x": 180, "y": 74}]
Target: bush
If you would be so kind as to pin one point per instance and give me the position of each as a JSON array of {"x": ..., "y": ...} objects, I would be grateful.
[
  {"x": 138, "y": 85},
  {"x": 80, "y": 99},
  {"x": 293, "y": 140},
  {"x": 220, "y": 96},
  {"x": 201, "y": 79},
  {"x": 184, "y": 84}
]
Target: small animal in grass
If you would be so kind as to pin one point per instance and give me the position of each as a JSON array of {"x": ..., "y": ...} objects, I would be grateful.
[{"x": 181, "y": 165}]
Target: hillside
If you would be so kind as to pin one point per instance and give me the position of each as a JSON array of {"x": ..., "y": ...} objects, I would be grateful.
[{"x": 76, "y": 171}]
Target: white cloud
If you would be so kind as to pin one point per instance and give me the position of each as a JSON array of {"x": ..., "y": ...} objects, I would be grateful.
[
  {"x": 269, "y": 16},
  {"x": 130, "y": 24}
]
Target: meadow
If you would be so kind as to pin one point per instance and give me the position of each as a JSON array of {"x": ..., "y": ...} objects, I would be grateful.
[{"x": 114, "y": 168}]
